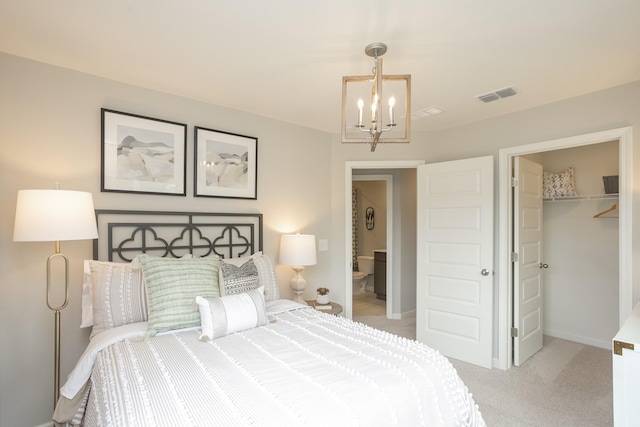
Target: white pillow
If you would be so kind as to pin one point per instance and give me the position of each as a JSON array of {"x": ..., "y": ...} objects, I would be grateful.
[
  {"x": 225, "y": 315},
  {"x": 119, "y": 286},
  {"x": 118, "y": 295},
  {"x": 87, "y": 304}
]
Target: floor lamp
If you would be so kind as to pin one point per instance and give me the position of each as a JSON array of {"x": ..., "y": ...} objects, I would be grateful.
[
  {"x": 55, "y": 216},
  {"x": 298, "y": 251}
]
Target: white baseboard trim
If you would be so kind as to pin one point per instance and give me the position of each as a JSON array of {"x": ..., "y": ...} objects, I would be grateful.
[
  {"x": 403, "y": 315},
  {"x": 578, "y": 338}
]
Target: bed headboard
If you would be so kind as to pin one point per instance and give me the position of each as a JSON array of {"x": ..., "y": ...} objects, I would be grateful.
[{"x": 123, "y": 234}]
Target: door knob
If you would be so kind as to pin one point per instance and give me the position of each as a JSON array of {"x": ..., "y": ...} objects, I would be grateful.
[
  {"x": 484, "y": 272},
  {"x": 544, "y": 265}
]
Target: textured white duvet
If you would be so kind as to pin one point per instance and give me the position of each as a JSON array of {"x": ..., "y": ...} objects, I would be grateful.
[{"x": 303, "y": 368}]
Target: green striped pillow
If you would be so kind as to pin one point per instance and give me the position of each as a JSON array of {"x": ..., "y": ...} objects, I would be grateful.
[{"x": 172, "y": 287}]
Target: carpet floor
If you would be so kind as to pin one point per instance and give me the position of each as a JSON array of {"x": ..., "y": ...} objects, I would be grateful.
[{"x": 564, "y": 384}]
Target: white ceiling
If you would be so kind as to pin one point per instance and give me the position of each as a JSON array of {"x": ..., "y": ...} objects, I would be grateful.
[{"x": 284, "y": 59}]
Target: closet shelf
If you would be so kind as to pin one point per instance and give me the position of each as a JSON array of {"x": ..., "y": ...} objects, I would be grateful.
[{"x": 585, "y": 197}]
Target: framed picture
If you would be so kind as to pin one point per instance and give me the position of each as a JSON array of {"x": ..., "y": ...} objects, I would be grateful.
[
  {"x": 226, "y": 164},
  {"x": 142, "y": 154}
]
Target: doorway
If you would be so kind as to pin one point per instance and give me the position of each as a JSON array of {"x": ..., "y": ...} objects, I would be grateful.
[
  {"x": 396, "y": 264},
  {"x": 376, "y": 231},
  {"x": 505, "y": 289}
]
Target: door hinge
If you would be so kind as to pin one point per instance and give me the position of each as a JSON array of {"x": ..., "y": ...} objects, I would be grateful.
[
  {"x": 514, "y": 332},
  {"x": 514, "y": 181},
  {"x": 514, "y": 256}
]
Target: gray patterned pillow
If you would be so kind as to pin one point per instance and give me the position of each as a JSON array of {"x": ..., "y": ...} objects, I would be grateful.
[
  {"x": 239, "y": 279},
  {"x": 559, "y": 184},
  {"x": 266, "y": 273}
]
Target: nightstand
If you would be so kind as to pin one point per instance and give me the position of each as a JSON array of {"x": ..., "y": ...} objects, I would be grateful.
[{"x": 335, "y": 307}]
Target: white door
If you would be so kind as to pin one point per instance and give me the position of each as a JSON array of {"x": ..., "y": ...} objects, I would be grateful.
[
  {"x": 455, "y": 259},
  {"x": 528, "y": 263}
]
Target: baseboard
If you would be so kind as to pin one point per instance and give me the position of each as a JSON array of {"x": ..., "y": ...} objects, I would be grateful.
[
  {"x": 578, "y": 338},
  {"x": 403, "y": 315}
]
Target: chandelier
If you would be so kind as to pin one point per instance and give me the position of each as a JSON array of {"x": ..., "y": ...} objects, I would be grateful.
[{"x": 376, "y": 123}]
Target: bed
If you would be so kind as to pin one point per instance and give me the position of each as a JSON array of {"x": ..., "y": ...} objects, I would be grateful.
[{"x": 189, "y": 329}]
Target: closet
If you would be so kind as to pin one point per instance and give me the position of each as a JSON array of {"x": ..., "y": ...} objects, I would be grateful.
[{"x": 580, "y": 247}]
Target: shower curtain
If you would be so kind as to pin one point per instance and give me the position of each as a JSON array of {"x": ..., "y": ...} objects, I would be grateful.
[{"x": 354, "y": 228}]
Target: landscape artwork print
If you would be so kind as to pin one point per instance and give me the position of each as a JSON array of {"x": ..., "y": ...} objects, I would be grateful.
[
  {"x": 225, "y": 164},
  {"x": 142, "y": 155}
]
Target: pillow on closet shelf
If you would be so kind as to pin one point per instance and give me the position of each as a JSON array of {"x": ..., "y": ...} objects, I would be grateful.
[{"x": 559, "y": 184}]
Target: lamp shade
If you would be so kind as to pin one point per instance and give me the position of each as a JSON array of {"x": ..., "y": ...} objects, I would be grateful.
[
  {"x": 54, "y": 215},
  {"x": 298, "y": 249}
]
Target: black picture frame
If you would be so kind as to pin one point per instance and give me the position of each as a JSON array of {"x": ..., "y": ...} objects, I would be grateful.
[
  {"x": 142, "y": 154},
  {"x": 225, "y": 164}
]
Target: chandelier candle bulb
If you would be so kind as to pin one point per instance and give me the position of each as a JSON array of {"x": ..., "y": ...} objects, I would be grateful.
[
  {"x": 392, "y": 103},
  {"x": 373, "y": 113},
  {"x": 360, "y": 106}
]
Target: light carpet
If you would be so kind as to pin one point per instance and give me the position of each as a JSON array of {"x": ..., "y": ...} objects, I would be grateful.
[{"x": 564, "y": 384}]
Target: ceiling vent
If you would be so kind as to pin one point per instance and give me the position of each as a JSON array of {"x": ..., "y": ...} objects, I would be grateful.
[
  {"x": 497, "y": 94},
  {"x": 421, "y": 114}
]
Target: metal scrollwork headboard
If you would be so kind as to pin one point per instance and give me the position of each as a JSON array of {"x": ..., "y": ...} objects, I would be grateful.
[{"x": 125, "y": 234}]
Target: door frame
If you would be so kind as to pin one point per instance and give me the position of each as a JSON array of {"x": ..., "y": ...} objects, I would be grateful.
[
  {"x": 505, "y": 199},
  {"x": 369, "y": 164}
]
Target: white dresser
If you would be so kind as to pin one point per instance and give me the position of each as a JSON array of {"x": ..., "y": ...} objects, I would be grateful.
[{"x": 626, "y": 372}]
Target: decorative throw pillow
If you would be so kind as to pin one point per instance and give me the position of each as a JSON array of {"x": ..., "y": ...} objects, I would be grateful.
[
  {"x": 238, "y": 279},
  {"x": 231, "y": 313},
  {"x": 559, "y": 184},
  {"x": 87, "y": 303},
  {"x": 267, "y": 276},
  {"x": 118, "y": 295},
  {"x": 133, "y": 292},
  {"x": 266, "y": 273},
  {"x": 172, "y": 286}
]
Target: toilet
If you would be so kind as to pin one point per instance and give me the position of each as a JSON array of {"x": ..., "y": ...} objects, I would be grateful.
[{"x": 365, "y": 269}]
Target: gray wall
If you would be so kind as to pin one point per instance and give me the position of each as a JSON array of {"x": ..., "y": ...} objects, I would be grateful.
[{"x": 50, "y": 132}]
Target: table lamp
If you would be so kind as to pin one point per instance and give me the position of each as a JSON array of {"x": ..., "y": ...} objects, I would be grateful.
[{"x": 298, "y": 251}]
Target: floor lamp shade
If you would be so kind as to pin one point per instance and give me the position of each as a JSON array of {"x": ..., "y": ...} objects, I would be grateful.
[
  {"x": 54, "y": 215},
  {"x": 298, "y": 251}
]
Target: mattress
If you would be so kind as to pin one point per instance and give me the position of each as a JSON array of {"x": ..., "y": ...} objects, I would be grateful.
[{"x": 304, "y": 368}]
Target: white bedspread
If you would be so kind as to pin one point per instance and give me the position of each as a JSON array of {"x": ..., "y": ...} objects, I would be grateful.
[{"x": 303, "y": 368}]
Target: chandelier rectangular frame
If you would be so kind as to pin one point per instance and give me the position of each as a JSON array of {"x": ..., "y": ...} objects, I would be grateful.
[{"x": 378, "y": 90}]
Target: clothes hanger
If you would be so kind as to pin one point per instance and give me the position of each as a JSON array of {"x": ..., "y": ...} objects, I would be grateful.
[{"x": 611, "y": 209}]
